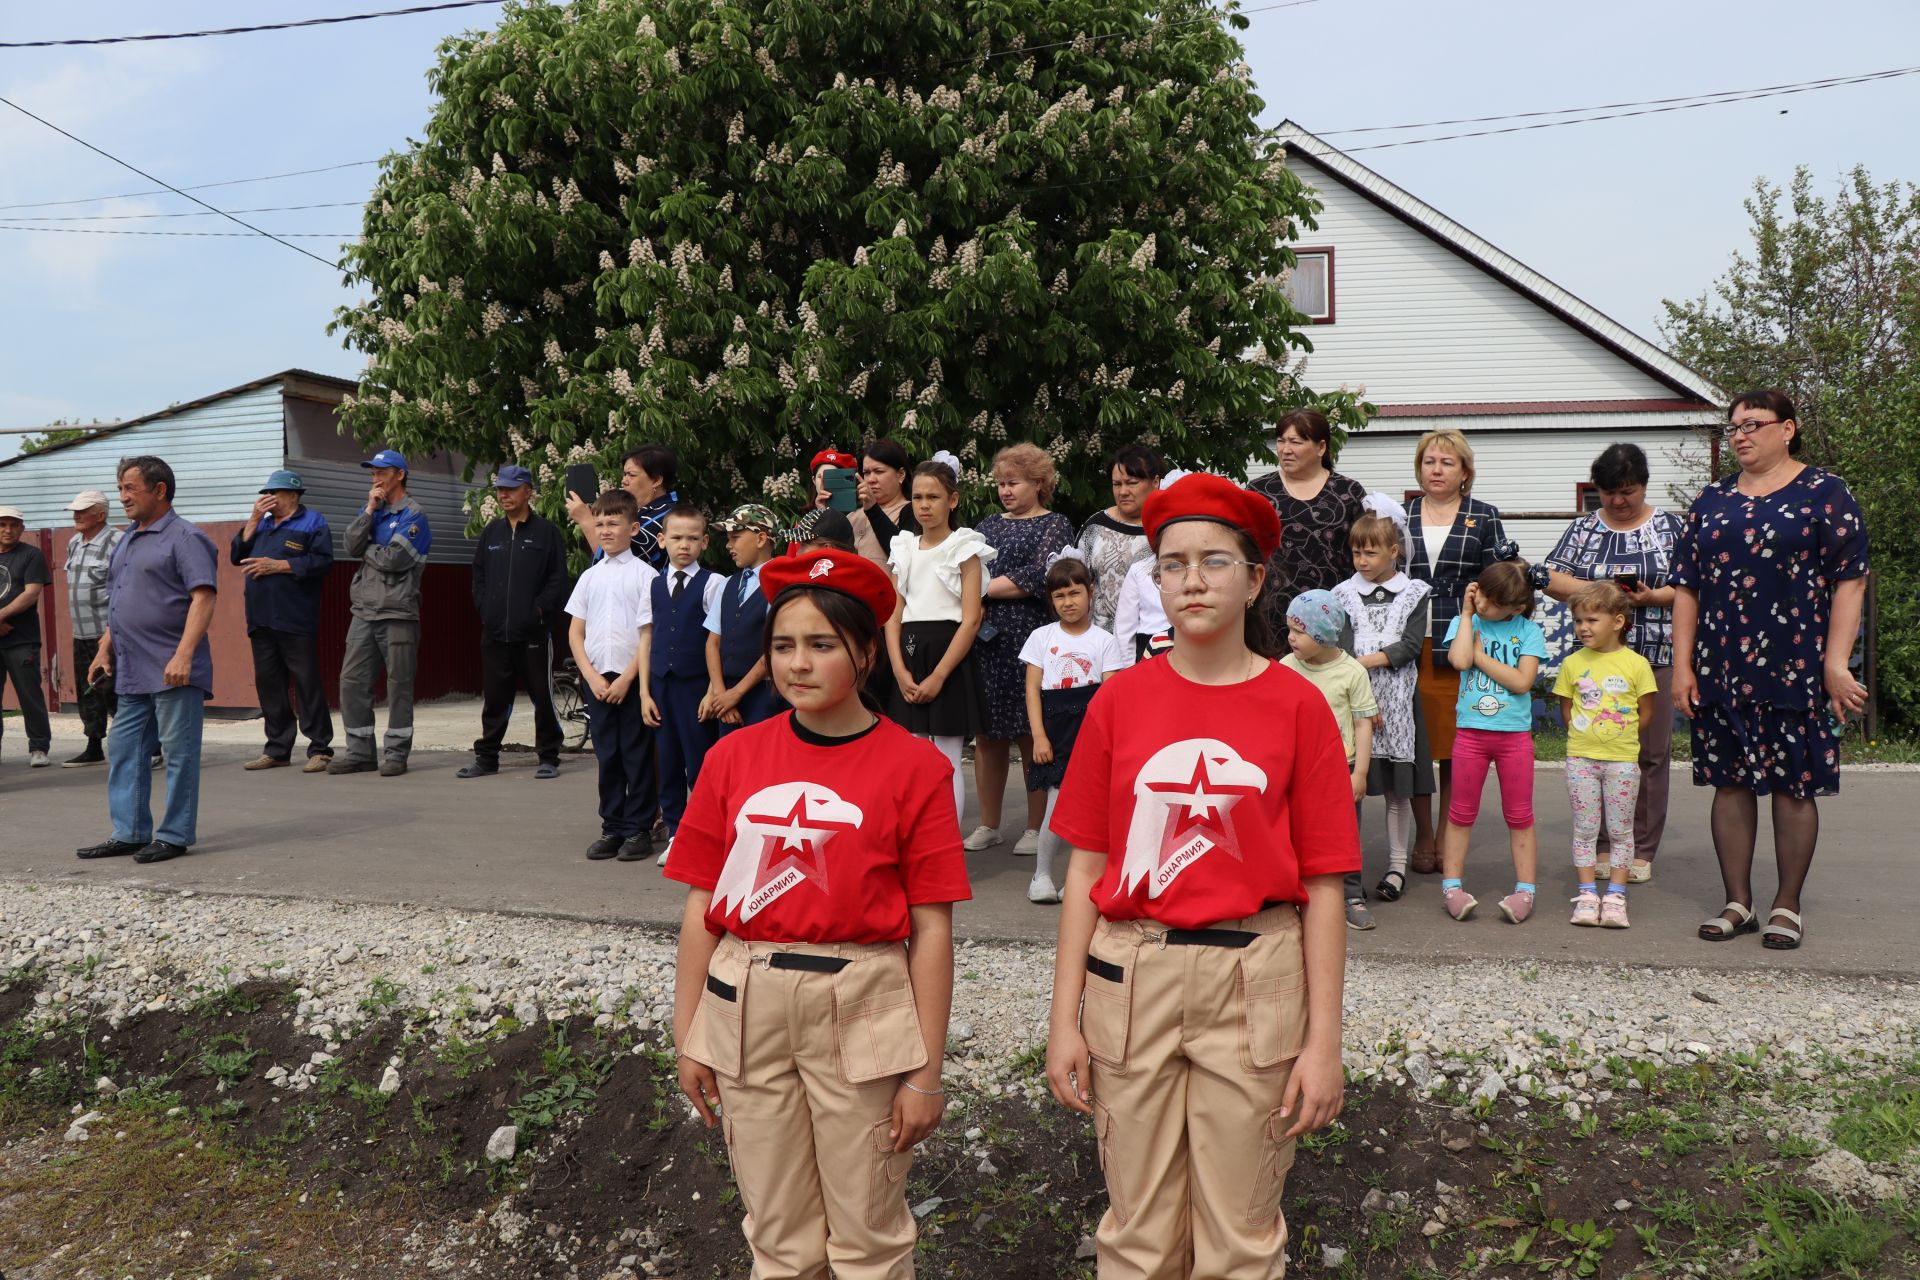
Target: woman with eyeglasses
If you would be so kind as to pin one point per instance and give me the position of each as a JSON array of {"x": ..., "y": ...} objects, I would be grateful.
[
  {"x": 1630, "y": 542},
  {"x": 1770, "y": 578},
  {"x": 1196, "y": 997}
]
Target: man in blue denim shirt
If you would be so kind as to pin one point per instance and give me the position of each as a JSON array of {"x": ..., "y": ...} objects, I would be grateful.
[
  {"x": 160, "y": 590},
  {"x": 286, "y": 551}
]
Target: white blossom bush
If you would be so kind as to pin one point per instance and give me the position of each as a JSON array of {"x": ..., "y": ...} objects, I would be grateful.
[{"x": 747, "y": 231}]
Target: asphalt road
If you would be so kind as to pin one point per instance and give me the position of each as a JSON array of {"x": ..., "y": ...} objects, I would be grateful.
[{"x": 511, "y": 844}]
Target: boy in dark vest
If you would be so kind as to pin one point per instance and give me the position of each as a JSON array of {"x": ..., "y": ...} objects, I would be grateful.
[
  {"x": 738, "y": 691},
  {"x": 683, "y": 595}
]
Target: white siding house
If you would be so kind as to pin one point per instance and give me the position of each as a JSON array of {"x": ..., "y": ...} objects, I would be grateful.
[{"x": 1442, "y": 328}]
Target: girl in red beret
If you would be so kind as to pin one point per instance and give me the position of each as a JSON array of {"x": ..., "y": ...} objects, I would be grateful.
[
  {"x": 1196, "y": 998},
  {"x": 822, "y": 856}
]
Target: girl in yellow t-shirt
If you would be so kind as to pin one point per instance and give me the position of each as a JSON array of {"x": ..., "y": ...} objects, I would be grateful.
[{"x": 1605, "y": 690}]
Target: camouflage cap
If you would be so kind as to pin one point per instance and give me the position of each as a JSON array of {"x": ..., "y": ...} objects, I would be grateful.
[{"x": 750, "y": 516}]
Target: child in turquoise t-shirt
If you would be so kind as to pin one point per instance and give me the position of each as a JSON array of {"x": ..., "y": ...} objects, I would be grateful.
[
  {"x": 1606, "y": 690},
  {"x": 1497, "y": 648}
]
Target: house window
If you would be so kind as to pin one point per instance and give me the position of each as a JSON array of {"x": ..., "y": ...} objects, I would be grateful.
[
  {"x": 1310, "y": 284},
  {"x": 1586, "y": 497}
]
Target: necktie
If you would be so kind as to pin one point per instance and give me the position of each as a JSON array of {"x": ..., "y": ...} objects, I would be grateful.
[{"x": 679, "y": 582}]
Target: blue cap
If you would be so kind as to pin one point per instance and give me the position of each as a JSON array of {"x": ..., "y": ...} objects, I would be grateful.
[
  {"x": 283, "y": 479},
  {"x": 512, "y": 477},
  {"x": 387, "y": 458}
]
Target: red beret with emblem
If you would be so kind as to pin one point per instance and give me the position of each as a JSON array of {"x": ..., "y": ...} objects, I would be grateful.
[
  {"x": 1199, "y": 496},
  {"x": 832, "y": 458},
  {"x": 847, "y": 572}
]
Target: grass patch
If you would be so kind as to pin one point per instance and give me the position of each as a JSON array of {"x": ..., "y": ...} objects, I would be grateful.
[{"x": 1880, "y": 1126}]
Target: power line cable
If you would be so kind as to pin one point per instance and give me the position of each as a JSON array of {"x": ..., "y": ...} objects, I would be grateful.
[
  {"x": 163, "y": 182},
  {"x": 221, "y": 235},
  {"x": 203, "y": 186},
  {"x": 135, "y": 217},
  {"x": 240, "y": 31}
]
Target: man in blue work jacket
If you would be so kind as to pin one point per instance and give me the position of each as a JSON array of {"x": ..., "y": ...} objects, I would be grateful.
[
  {"x": 391, "y": 538},
  {"x": 286, "y": 551},
  {"x": 519, "y": 588}
]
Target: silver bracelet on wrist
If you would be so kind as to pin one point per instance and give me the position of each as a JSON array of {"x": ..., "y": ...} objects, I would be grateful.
[{"x": 926, "y": 1093}]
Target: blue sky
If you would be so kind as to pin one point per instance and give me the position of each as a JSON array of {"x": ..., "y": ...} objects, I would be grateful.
[{"x": 1623, "y": 213}]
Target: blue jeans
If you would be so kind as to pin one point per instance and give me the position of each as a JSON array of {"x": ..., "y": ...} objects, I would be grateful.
[{"x": 142, "y": 724}]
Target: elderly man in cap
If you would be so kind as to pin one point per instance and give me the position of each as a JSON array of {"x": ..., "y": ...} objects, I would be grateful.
[
  {"x": 519, "y": 587},
  {"x": 391, "y": 538},
  {"x": 88, "y": 553},
  {"x": 286, "y": 552},
  {"x": 23, "y": 576},
  {"x": 160, "y": 593}
]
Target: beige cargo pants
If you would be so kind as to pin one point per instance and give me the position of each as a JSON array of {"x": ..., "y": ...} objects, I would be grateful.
[
  {"x": 808, "y": 1062},
  {"x": 1191, "y": 1047}
]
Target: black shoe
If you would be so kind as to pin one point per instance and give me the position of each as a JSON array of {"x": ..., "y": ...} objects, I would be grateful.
[
  {"x": 159, "y": 851},
  {"x": 478, "y": 769},
  {"x": 547, "y": 769},
  {"x": 92, "y": 755},
  {"x": 603, "y": 848},
  {"x": 637, "y": 848},
  {"x": 350, "y": 765},
  {"x": 110, "y": 849}
]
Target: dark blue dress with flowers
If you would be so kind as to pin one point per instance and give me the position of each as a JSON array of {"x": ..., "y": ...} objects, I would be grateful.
[{"x": 1764, "y": 570}]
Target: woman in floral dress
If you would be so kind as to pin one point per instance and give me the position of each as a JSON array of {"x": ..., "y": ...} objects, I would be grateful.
[
  {"x": 1024, "y": 537},
  {"x": 1771, "y": 573}
]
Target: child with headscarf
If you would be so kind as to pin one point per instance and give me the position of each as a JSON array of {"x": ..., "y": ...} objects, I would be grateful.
[{"x": 1315, "y": 621}]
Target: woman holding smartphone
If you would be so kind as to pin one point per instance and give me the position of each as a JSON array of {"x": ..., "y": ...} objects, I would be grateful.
[{"x": 1631, "y": 543}]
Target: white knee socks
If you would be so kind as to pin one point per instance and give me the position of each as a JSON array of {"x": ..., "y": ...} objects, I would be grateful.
[
  {"x": 1399, "y": 830},
  {"x": 950, "y": 748},
  {"x": 1049, "y": 842}
]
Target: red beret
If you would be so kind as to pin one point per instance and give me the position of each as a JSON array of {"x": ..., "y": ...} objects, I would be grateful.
[
  {"x": 1206, "y": 497},
  {"x": 832, "y": 458},
  {"x": 847, "y": 572}
]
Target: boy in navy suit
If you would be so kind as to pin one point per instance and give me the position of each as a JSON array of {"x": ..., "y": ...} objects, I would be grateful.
[
  {"x": 683, "y": 595},
  {"x": 739, "y": 692}
]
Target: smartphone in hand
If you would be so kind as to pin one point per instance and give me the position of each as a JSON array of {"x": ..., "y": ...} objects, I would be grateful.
[
  {"x": 1628, "y": 581},
  {"x": 583, "y": 482}
]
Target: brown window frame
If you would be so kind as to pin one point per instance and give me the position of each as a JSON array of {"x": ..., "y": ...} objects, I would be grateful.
[
  {"x": 1326, "y": 249},
  {"x": 1580, "y": 491}
]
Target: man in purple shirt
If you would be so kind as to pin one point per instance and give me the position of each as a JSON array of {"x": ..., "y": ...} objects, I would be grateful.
[{"x": 160, "y": 586}]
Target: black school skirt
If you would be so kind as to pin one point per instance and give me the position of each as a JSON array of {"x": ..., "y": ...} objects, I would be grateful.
[
  {"x": 1061, "y": 711},
  {"x": 961, "y": 709}
]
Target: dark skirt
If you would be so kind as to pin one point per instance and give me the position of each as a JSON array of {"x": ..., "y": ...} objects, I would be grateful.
[
  {"x": 1061, "y": 711},
  {"x": 1764, "y": 749},
  {"x": 960, "y": 710}
]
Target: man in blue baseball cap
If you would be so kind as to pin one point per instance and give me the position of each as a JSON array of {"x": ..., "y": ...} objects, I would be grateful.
[
  {"x": 391, "y": 538},
  {"x": 286, "y": 552},
  {"x": 519, "y": 587}
]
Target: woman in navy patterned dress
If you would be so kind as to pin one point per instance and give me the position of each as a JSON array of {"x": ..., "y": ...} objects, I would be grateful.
[
  {"x": 1771, "y": 574},
  {"x": 1025, "y": 535}
]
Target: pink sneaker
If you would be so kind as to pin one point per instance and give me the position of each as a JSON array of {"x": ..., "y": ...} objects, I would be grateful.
[
  {"x": 1586, "y": 909},
  {"x": 1613, "y": 912},
  {"x": 1516, "y": 907},
  {"x": 1460, "y": 903}
]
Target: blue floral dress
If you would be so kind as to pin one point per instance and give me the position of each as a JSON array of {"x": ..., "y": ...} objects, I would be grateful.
[
  {"x": 1764, "y": 570},
  {"x": 1024, "y": 547}
]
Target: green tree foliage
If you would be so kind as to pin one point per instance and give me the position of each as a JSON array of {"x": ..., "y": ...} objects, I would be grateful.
[
  {"x": 58, "y": 433},
  {"x": 1827, "y": 307},
  {"x": 748, "y": 230}
]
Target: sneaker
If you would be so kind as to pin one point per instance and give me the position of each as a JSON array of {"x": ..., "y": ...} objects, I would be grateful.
[
  {"x": 982, "y": 838},
  {"x": 603, "y": 848},
  {"x": 1358, "y": 917},
  {"x": 1640, "y": 872},
  {"x": 1516, "y": 907},
  {"x": 1043, "y": 890},
  {"x": 1613, "y": 912},
  {"x": 264, "y": 762},
  {"x": 38, "y": 759},
  {"x": 636, "y": 848},
  {"x": 92, "y": 755},
  {"x": 316, "y": 764},
  {"x": 1586, "y": 910},
  {"x": 392, "y": 768},
  {"x": 661, "y": 861},
  {"x": 1460, "y": 903},
  {"x": 1028, "y": 844},
  {"x": 350, "y": 765}
]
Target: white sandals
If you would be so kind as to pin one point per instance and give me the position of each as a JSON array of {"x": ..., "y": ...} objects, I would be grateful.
[
  {"x": 1719, "y": 929},
  {"x": 1780, "y": 937}
]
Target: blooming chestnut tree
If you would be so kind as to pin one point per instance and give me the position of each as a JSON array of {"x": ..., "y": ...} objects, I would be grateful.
[{"x": 748, "y": 231}]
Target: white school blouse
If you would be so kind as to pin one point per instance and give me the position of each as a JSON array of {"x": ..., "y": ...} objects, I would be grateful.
[
  {"x": 929, "y": 580},
  {"x": 615, "y": 599}
]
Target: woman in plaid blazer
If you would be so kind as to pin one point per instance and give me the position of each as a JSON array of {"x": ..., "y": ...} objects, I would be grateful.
[{"x": 1466, "y": 537}]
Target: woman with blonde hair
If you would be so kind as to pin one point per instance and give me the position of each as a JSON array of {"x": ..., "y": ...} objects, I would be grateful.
[{"x": 1453, "y": 536}]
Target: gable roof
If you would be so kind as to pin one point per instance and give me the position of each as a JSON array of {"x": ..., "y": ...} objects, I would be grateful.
[
  {"x": 1437, "y": 226},
  {"x": 324, "y": 382}
]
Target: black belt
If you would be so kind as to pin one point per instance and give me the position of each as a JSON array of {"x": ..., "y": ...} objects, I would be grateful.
[
  {"x": 806, "y": 961},
  {"x": 1209, "y": 938}
]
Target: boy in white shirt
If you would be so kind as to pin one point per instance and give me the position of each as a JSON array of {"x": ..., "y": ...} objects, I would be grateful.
[{"x": 612, "y": 639}]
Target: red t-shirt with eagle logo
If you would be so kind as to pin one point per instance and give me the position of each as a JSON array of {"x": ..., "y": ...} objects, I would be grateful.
[
  {"x": 808, "y": 843},
  {"x": 1208, "y": 800}
]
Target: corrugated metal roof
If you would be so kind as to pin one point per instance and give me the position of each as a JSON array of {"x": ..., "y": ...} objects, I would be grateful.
[{"x": 1416, "y": 212}]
